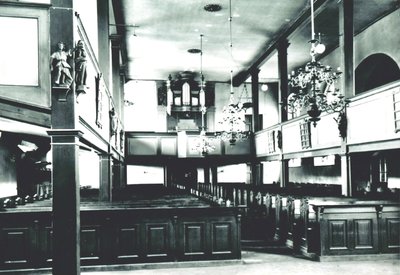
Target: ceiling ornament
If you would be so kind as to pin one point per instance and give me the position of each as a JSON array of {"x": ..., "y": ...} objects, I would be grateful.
[
  {"x": 233, "y": 115},
  {"x": 314, "y": 85}
]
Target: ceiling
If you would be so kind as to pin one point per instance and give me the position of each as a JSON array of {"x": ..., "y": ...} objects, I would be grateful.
[{"x": 157, "y": 34}]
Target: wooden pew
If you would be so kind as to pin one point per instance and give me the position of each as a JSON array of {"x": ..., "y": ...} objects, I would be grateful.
[
  {"x": 347, "y": 226},
  {"x": 151, "y": 227}
]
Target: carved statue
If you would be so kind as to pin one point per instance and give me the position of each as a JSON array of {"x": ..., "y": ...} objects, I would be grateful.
[
  {"x": 61, "y": 70},
  {"x": 341, "y": 120},
  {"x": 80, "y": 66}
]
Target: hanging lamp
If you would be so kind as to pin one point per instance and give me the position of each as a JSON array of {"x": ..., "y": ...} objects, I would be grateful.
[
  {"x": 314, "y": 85},
  {"x": 233, "y": 115}
]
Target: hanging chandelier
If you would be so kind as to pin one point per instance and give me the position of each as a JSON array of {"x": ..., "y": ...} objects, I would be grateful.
[
  {"x": 314, "y": 85},
  {"x": 203, "y": 143},
  {"x": 233, "y": 115}
]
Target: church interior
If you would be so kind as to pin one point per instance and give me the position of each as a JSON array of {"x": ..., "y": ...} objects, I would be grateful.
[{"x": 176, "y": 132}]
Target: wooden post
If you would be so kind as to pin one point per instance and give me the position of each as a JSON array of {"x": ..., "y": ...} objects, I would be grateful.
[
  {"x": 255, "y": 100},
  {"x": 65, "y": 179},
  {"x": 283, "y": 94},
  {"x": 346, "y": 29},
  {"x": 105, "y": 190}
]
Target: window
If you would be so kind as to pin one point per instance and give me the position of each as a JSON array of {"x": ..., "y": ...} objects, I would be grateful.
[
  {"x": 271, "y": 142},
  {"x": 396, "y": 108},
  {"x": 305, "y": 135}
]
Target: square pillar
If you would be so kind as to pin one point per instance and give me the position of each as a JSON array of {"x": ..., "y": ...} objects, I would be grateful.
[
  {"x": 105, "y": 190},
  {"x": 66, "y": 201}
]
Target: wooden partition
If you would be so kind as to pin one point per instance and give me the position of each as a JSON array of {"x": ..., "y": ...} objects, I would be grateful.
[
  {"x": 333, "y": 227},
  {"x": 123, "y": 233},
  {"x": 147, "y": 145}
]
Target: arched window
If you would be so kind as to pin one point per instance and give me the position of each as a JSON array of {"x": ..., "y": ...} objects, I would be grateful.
[{"x": 375, "y": 71}]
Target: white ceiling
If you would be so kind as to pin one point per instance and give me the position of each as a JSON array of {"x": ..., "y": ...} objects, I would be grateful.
[{"x": 158, "y": 33}]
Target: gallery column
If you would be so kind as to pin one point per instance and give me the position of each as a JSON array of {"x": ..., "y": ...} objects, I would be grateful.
[
  {"x": 65, "y": 178},
  {"x": 65, "y": 146},
  {"x": 283, "y": 94}
]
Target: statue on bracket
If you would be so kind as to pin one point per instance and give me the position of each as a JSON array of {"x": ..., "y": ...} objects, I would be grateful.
[
  {"x": 60, "y": 68},
  {"x": 80, "y": 67},
  {"x": 341, "y": 120}
]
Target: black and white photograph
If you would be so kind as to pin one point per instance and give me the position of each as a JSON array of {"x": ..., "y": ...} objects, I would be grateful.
[{"x": 175, "y": 137}]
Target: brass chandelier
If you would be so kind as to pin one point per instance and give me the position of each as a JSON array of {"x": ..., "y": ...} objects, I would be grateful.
[
  {"x": 314, "y": 85},
  {"x": 233, "y": 115}
]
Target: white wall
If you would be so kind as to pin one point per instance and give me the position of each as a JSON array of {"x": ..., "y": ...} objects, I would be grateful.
[
  {"x": 90, "y": 176},
  {"x": 232, "y": 173},
  {"x": 143, "y": 114},
  {"x": 138, "y": 174}
]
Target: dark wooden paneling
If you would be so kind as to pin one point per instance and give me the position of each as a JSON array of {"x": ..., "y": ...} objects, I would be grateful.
[
  {"x": 393, "y": 233},
  {"x": 47, "y": 243},
  {"x": 363, "y": 234},
  {"x": 90, "y": 242},
  {"x": 157, "y": 243},
  {"x": 194, "y": 239},
  {"x": 221, "y": 238},
  {"x": 337, "y": 235},
  {"x": 16, "y": 242},
  {"x": 128, "y": 242},
  {"x": 125, "y": 235}
]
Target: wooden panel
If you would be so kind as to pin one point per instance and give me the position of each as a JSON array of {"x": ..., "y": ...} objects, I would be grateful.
[
  {"x": 127, "y": 242},
  {"x": 157, "y": 239},
  {"x": 124, "y": 236},
  {"x": 194, "y": 239},
  {"x": 338, "y": 232},
  {"x": 392, "y": 234},
  {"x": 47, "y": 243},
  {"x": 363, "y": 234},
  {"x": 221, "y": 238},
  {"x": 142, "y": 146},
  {"x": 381, "y": 125},
  {"x": 90, "y": 243},
  {"x": 168, "y": 146},
  {"x": 15, "y": 242},
  {"x": 240, "y": 148}
]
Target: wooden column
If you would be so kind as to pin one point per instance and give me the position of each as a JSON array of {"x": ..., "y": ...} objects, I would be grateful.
[
  {"x": 346, "y": 29},
  {"x": 66, "y": 201},
  {"x": 255, "y": 98},
  {"x": 65, "y": 150},
  {"x": 103, "y": 42},
  {"x": 168, "y": 176},
  {"x": 282, "y": 99},
  {"x": 255, "y": 165},
  {"x": 346, "y": 37},
  {"x": 105, "y": 191},
  {"x": 214, "y": 174},
  {"x": 118, "y": 175},
  {"x": 206, "y": 174},
  {"x": 117, "y": 90},
  {"x": 65, "y": 179},
  {"x": 283, "y": 77}
]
